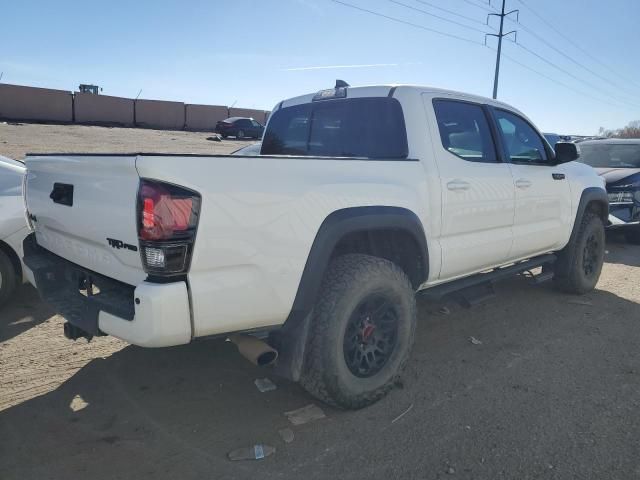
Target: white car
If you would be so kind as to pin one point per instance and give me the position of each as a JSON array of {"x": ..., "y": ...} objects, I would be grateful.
[
  {"x": 13, "y": 226},
  {"x": 249, "y": 151},
  {"x": 360, "y": 197}
]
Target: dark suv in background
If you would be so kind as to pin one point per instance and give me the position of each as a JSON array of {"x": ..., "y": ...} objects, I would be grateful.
[
  {"x": 618, "y": 162},
  {"x": 239, "y": 127}
]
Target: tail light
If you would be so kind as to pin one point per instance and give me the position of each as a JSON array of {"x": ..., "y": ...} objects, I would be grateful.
[{"x": 167, "y": 223}]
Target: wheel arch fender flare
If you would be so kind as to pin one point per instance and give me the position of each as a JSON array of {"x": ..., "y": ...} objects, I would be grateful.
[
  {"x": 334, "y": 228},
  {"x": 590, "y": 195}
]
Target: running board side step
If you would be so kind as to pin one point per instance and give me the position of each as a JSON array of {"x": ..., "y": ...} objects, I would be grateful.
[{"x": 472, "y": 283}]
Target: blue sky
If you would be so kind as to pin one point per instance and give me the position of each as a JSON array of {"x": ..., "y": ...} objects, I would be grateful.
[{"x": 257, "y": 52}]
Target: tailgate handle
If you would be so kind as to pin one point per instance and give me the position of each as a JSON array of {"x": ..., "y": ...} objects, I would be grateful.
[{"x": 62, "y": 193}]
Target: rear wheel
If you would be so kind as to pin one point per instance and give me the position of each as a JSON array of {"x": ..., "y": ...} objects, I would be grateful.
[
  {"x": 8, "y": 278},
  {"x": 362, "y": 331},
  {"x": 633, "y": 236},
  {"x": 580, "y": 263},
  {"x": 240, "y": 134}
]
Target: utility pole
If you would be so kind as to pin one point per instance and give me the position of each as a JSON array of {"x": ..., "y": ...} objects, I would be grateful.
[{"x": 502, "y": 14}]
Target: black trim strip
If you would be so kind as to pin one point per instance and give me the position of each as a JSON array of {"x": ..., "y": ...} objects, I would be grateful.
[
  {"x": 392, "y": 90},
  {"x": 285, "y": 157}
]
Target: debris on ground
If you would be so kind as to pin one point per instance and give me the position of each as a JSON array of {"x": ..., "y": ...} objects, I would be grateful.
[
  {"x": 475, "y": 341},
  {"x": 264, "y": 385},
  {"x": 78, "y": 403},
  {"x": 451, "y": 470},
  {"x": 402, "y": 414},
  {"x": 586, "y": 303},
  {"x": 255, "y": 452},
  {"x": 305, "y": 414},
  {"x": 215, "y": 138},
  {"x": 286, "y": 434},
  {"x": 444, "y": 311}
]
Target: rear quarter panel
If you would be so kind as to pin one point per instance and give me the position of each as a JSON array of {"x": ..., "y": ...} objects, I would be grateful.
[{"x": 259, "y": 218}]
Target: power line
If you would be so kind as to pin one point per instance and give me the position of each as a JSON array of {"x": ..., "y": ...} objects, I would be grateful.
[
  {"x": 568, "y": 57},
  {"x": 551, "y": 79},
  {"x": 568, "y": 39},
  {"x": 438, "y": 16},
  {"x": 483, "y": 7},
  {"x": 548, "y": 62},
  {"x": 415, "y": 25},
  {"x": 451, "y": 12}
]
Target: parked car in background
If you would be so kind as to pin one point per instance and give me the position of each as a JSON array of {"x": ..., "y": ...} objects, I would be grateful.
[
  {"x": 239, "y": 127},
  {"x": 618, "y": 162},
  {"x": 13, "y": 226},
  {"x": 552, "y": 138},
  {"x": 249, "y": 151}
]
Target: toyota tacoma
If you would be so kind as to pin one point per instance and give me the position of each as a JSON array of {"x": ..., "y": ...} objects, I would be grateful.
[{"x": 360, "y": 197}]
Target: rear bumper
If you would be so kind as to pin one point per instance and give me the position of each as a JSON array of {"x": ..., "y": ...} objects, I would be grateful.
[{"x": 148, "y": 315}]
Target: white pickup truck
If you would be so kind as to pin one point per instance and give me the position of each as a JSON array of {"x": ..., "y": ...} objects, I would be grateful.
[{"x": 360, "y": 198}]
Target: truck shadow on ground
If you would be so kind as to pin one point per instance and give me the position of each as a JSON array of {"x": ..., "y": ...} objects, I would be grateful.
[
  {"x": 176, "y": 412},
  {"x": 24, "y": 311}
]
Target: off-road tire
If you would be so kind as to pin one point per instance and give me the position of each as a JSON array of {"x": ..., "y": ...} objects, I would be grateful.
[
  {"x": 633, "y": 236},
  {"x": 349, "y": 281},
  {"x": 8, "y": 280},
  {"x": 569, "y": 271}
]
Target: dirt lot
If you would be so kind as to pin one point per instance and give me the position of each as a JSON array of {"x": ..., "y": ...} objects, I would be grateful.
[
  {"x": 18, "y": 139},
  {"x": 553, "y": 391}
]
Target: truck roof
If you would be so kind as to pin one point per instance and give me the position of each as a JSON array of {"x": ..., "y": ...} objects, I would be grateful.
[{"x": 385, "y": 89}]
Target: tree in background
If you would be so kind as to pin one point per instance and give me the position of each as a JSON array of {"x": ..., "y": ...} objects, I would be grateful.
[{"x": 632, "y": 130}]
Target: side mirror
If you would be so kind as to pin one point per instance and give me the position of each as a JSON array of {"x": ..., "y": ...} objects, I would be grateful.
[{"x": 566, "y": 152}]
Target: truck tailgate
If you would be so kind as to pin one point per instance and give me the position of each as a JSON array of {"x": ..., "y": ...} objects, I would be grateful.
[{"x": 83, "y": 208}]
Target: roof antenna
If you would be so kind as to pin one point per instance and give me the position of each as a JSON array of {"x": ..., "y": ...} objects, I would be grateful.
[{"x": 341, "y": 84}]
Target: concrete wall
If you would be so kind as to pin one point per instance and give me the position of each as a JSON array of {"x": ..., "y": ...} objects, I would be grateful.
[
  {"x": 103, "y": 109},
  {"x": 29, "y": 103},
  {"x": 18, "y": 102},
  {"x": 159, "y": 114},
  {"x": 258, "y": 115},
  {"x": 204, "y": 117}
]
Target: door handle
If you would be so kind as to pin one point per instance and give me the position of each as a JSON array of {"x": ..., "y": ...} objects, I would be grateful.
[
  {"x": 523, "y": 183},
  {"x": 458, "y": 185},
  {"x": 558, "y": 176}
]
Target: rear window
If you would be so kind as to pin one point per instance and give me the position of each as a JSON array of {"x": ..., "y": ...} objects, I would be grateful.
[
  {"x": 355, "y": 127},
  {"x": 601, "y": 155}
]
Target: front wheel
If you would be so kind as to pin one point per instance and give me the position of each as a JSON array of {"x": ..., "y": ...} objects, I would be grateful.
[
  {"x": 362, "y": 331},
  {"x": 580, "y": 263}
]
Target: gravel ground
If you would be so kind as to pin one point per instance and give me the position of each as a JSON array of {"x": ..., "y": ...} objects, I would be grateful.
[
  {"x": 553, "y": 390},
  {"x": 18, "y": 139}
]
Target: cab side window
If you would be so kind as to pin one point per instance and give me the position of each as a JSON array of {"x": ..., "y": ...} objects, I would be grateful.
[
  {"x": 522, "y": 142},
  {"x": 464, "y": 130}
]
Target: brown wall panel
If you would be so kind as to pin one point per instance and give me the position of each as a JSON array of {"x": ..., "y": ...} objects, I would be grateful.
[
  {"x": 204, "y": 117},
  {"x": 104, "y": 109},
  {"x": 159, "y": 114},
  {"x": 18, "y": 102}
]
